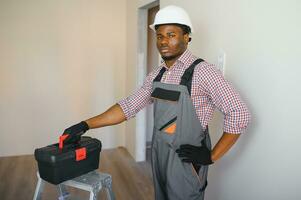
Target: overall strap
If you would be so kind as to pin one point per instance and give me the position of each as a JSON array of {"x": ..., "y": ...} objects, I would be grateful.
[
  {"x": 159, "y": 76},
  {"x": 186, "y": 79}
]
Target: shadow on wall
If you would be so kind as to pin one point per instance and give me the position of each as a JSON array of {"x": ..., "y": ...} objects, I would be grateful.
[{"x": 218, "y": 171}]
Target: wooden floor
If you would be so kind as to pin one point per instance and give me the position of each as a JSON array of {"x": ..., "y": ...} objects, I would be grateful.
[{"x": 131, "y": 180}]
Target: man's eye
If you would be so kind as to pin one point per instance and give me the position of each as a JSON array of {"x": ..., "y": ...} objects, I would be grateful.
[
  {"x": 159, "y": 37},
  {"x": 171, "y": 35}
]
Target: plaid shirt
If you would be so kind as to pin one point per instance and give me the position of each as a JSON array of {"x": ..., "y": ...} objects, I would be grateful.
[{"x": 209, "y": 90}]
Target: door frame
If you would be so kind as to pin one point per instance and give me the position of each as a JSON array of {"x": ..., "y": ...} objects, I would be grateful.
[{"x": 141, "y": 128}]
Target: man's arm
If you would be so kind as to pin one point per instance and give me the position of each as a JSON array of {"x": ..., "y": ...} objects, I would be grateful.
[
  {"x": 236, "y": 117},
  {"x": 223, "y": 145},
  {"x": 228, "y": 101},
  {"x": 123, "y": 110},
  {"x": 126, "y": 108},
  {"x": 114, "y": 115}
]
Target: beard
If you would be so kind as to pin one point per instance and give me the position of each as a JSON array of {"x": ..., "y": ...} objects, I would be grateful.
[
  {"x": 174, "y": 55},
  {"x": 167, "y": 58}
]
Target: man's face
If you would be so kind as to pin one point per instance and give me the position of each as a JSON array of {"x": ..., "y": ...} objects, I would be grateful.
[{"x": 171, "y": 42}]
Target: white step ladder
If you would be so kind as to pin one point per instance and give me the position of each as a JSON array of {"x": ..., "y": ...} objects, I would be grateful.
[{"x": 92, "y": 182}]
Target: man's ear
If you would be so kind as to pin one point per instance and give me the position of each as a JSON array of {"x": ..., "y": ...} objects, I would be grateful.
[{"x": 187, "y": 38}]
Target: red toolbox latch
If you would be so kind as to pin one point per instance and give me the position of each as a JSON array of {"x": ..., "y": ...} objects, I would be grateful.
[{"x": 81, "y": 154}]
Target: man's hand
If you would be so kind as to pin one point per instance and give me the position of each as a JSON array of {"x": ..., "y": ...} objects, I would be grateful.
[
  {"x": 75, "y": 132},
  {"x": 112, "y": 116},
  {"x": 197, "y": 155}
]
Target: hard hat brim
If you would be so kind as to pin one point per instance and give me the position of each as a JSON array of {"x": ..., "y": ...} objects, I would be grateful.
[{"x": 152, "y": 26}]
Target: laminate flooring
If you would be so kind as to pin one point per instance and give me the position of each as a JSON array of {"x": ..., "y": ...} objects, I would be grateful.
[{"x": 131, "y": 180}]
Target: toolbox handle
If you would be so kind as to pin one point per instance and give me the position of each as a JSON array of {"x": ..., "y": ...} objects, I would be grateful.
[
  {"x": 80, "y": 154},
  {"x": 61, "y": 140}
]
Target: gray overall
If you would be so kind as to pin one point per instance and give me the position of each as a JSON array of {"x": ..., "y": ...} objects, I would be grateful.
[{"x": 176, "y": 123}]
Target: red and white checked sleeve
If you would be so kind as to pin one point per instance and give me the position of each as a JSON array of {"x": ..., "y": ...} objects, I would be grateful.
[
  {"x": 132, "y": 104},
  {"x": 225, "y": 98}
]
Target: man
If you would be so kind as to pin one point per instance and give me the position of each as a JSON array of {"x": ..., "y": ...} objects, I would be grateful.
[{"x": 185, "y": 91}]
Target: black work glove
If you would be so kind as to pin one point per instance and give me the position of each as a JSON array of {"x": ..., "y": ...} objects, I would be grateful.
[
  {"x": 197, "y": 155},
  {"x": 75, "y": 132}
]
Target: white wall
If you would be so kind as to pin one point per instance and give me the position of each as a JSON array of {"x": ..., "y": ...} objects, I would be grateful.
[
  {"x": 262, "y": 50},
  {"x": 261, "y": 39},
  {"x": 60, "y": 62}
]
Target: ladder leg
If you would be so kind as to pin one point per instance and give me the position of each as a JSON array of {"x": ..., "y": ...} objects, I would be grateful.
[
  {"x": 39, "y": 188},
  {"x": 110, "y": 194},
  {"x": 107, "y": 183},
  {"x": 63, "y": 193},
  {"x": 92, "y": 195}
]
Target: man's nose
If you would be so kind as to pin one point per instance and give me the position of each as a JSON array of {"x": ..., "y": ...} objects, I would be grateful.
[{"x": 164, "y": 41}]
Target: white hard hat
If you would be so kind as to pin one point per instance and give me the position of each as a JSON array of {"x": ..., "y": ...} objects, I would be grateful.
[{"x": 172, "y": 15}]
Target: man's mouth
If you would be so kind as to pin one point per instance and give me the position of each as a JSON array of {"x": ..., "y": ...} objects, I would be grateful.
[{"x": 164, "y": 50}]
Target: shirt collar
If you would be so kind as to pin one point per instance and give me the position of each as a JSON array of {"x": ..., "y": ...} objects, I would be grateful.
[{"x": 185, "y": 58}]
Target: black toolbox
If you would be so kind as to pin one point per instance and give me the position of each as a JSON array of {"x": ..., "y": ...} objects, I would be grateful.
[{"x": 58, "y": 163}]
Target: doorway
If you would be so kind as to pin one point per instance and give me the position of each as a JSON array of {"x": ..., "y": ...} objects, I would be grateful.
[
  {"x": 148, "y": 59},
  {"x": 152, "y": 63}
]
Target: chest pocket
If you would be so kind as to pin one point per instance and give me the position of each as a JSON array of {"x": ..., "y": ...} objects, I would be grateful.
[{"x": 170, "y": 126}]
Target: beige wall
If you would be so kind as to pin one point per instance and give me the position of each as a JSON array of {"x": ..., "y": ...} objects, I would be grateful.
[
  {"x": 262, "y": 46},
  {"x": 60, "y": 62}
]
